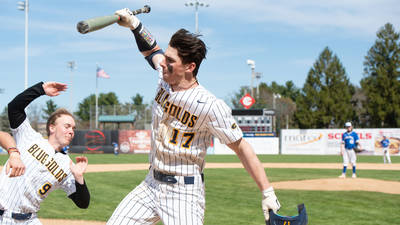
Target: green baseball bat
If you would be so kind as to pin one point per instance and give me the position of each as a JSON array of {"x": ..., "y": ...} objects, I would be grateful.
[{"x": 97, "y": 23}]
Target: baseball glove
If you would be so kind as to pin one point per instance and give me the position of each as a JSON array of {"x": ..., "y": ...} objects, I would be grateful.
[{"x": 357, "y": 149}]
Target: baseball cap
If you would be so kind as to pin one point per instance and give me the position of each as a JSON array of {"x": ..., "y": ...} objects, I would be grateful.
[{"x": 348, "y": 124}]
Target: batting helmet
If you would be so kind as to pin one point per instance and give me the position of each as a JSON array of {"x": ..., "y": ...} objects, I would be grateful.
[{"x": 301, "y": 219}]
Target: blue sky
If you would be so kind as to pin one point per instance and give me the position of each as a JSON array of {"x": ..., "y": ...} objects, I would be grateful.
[{"x": 283, "y": 37}]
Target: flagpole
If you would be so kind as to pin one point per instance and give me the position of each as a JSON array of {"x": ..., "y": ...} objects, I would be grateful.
[{"x": 97, "y": 113}]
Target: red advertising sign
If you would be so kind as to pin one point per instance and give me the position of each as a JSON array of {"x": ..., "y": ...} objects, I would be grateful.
[
  {"x": 247, "y": 101},
  {"x": 95, "y": 139},
  {"x": 134, "y": 141}
]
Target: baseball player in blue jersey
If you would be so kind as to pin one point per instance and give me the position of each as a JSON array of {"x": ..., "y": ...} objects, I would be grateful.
[
  {"x": 350, "y": 140},
  {"x": 385, "y": 147},
  {"x": 185, "y": 117},
  {"x": 47, "y": 167},
  {"x": 15, "y": 163}
]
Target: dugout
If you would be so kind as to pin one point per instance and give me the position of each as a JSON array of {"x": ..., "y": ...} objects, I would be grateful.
[{"x": 117, "y": 119}]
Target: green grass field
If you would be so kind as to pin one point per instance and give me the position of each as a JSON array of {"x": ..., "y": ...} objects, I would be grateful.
[
  {"x": 142, "y": 158},
  {"x": 233, "y": 198}
]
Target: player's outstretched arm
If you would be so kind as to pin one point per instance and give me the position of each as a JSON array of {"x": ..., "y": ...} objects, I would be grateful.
[
  {"x": 81, "y": 197},
  {"x": 144, "y": 39},
  {"x": 254, "y": 167},
  {"x": 16, "y": 108},
  {"x": 14, "y": 162}
]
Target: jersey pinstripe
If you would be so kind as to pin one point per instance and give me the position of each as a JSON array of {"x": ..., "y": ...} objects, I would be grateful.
[
  {"x": 183, "y": 125},
  {"x": 45, "y": 171}
]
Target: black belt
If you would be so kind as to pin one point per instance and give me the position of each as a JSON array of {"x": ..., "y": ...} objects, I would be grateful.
[
  {"x": 171, "y": 179},
  {"x": 18, "y": 216}
]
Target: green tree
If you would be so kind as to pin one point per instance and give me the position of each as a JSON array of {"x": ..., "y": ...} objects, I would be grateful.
[
  {"x": 381, "y": 83},
  {"x": 142, "y": 111},
  {"x": 290, "y": 91},
  {"x": 284, "y": 106},
  {"x": 264, "y": 98},
  {"x": 325, "y": 100},
  {"x": 51, "y": 106},
  {"x": 88, "y": 105},
  {"x": 359, "y": 99},
  {"x": 137, "y": 100}
]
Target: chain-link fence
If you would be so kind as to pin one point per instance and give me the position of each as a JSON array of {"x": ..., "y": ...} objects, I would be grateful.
[{"x": 141, "y": 113}]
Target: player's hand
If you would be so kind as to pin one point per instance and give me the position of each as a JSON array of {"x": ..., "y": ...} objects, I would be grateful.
[
  {"x": 15, "y": 163},
  {"x": 79, "y": 168},
  {"x": 269, "y": 202},
  {"x": 127, "y": 19},
  {"x": 53, "y": 88}
]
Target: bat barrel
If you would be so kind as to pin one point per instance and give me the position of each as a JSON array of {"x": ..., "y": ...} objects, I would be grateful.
[{"x": 97, "y": 23}]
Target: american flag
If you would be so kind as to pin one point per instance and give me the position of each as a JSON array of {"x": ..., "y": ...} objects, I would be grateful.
[{"x": 101, "y": 73}]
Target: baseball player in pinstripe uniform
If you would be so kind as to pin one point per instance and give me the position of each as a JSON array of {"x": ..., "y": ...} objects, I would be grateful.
[
  {"x": 47, "y": 168},
  {"x": 14, "y": 162},
  {"x": 185, "y": 118}
]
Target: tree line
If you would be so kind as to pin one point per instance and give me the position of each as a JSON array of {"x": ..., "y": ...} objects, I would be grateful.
[{"x": 327, "y": 99}]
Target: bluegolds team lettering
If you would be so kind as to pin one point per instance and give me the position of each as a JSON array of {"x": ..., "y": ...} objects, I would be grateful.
[
  {"x": 41, "y": 156},
  {"x": 186, "y": 118}
]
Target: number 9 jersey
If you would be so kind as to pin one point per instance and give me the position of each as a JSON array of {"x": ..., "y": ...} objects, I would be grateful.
[{"x": 46, "y": 171}]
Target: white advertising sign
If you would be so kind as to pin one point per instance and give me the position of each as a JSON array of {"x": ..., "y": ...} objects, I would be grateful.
[
  {"x": 261, "y": 145},
  {"x": 327, "y": 141}
]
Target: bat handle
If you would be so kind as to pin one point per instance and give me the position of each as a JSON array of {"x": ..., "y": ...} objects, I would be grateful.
[{"x": 145, "y": 9}]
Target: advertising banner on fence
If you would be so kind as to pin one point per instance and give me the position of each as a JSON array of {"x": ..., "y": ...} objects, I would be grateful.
[
  {"x": 327, "y": 141},
  {"x": 261, "y": 145},
  {"x": 134, "y": 141}
]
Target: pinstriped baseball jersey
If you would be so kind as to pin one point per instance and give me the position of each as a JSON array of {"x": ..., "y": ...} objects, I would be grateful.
[
  {"x": 46, "y": 171},
  {"x": 183, "y": 125}
]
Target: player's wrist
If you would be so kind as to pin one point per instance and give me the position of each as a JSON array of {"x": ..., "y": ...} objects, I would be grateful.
[
  {"x": 12, "y": 150},
  {"x": 135, "y": 23}
]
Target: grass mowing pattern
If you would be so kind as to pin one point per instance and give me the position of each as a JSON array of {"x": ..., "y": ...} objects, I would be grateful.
[
  {"x": 143, "y": 158},
  {"x": 233, "y": 198}
]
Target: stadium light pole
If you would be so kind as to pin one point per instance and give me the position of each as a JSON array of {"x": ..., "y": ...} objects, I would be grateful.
[
  {"x": 24, "y": 6},
  {"x": 196, "y": 5},
  {"x": 71, "y": 65},
  {"x": 275, "y": 96},
  {"x": 258, "y": 77},
  {"x": 252, "y": 65}
]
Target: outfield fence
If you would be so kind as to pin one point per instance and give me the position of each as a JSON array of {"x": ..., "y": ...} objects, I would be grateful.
[{"x": 291, "y": 141}]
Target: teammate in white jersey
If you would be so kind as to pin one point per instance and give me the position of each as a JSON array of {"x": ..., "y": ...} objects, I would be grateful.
[
  {"x": 185, "y": 118},
  {"x": 47, "y": 168},
  {"x": 14, "y": 162}
]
